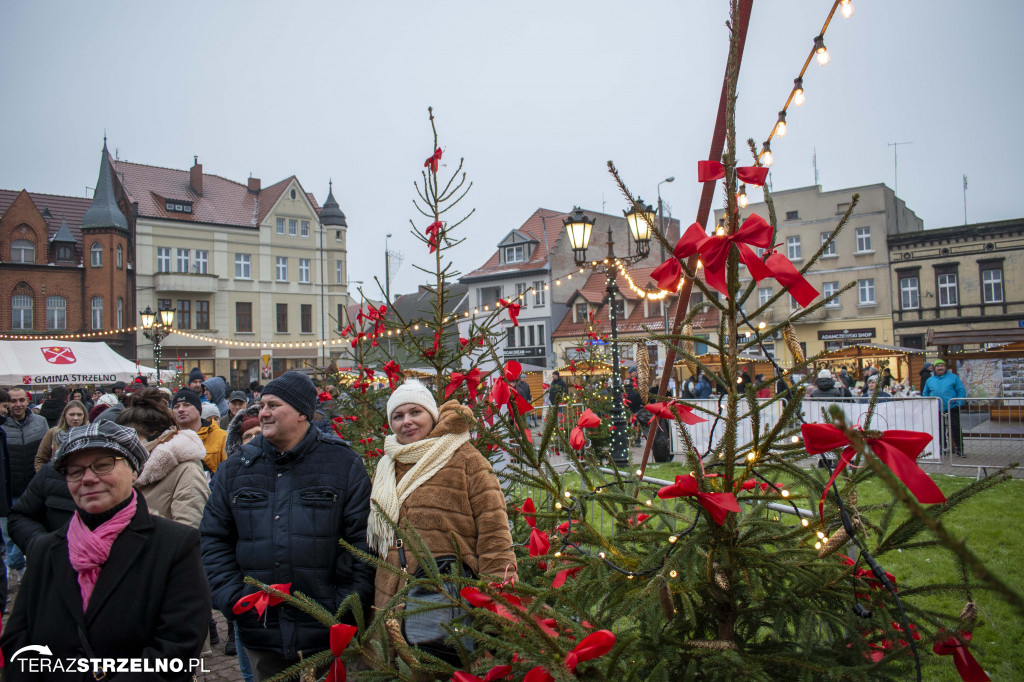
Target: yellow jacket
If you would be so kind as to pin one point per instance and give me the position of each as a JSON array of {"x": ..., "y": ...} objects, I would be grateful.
[{"x": 213, "y": 438}]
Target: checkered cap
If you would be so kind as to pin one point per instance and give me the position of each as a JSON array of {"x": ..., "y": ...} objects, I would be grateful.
[{"x": 104, "y": 435}]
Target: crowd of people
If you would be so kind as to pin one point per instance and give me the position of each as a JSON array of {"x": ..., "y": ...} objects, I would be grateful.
[{"x": 130, "y": 513}]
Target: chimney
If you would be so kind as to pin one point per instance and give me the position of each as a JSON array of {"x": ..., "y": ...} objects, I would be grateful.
[
  {"x": 254, "y": 185},
  {"x": 195, "y": 176}
]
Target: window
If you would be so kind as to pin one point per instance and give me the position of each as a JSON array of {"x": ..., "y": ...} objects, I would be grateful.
[
  {"x": 793, "y": 305},
  {"x": 337, "y": 235},
  {"x": 201, "y": 266},
  {"x": 866, "y": 291},
  {"x": 120, "y": 261},
  {"x": 304, "y": 228},
  {"x": 696, "y": 299},
  {"x": 515, "y": 254},
  {"x": 243, "y": 317},
  {"x": 339, "y": 272},
  {"x": 281, "y": 268},
  {"x": 183, "y": 318},
  {"x": 56, "y": 312},
  {"x": 830, "y": 289},
  {"x": 120, "y": 312},
  {"x": 183, "y": 258},
  {"x": 97, "y": 312},
  {"x": 581, "y": 312},
  {"x": 280, "y": 225},
  {"x": 863, "y": 240},
  {"x": 764, "y": 294},
  {"x": 793, "y": 248},
  {"x": 620, "y": 309},
  {"x": 21, "y": 312},
  {"x": 304, "y": 270},
  {"x": 489, "y": 295},
  {"x": 538, "y": 292},
  {"x": 282, "y": 318},
  {"x": 792, "y": 215},
  {"x": 293, "y": 227},
  {"x": 654, "y": 308},
  {"x": 23, "y": 251},
  {"x": 306, "y": 318},
  {"x": 510, "y": 338},
  {"x": 533, "y": 339},
  {"x": 910, "y": 293},
  {"x": 243, "y": 266},
  {"x": 202, "y": 314},
  {"x": 96, "y": 255},
  {"x": 992, "y": 285},
  {"x": 64, "y": 252},
  {"x": 178, "y": 206},
  {"x": 830, "y": 250},
  {"x": 521, "y": 293},
  {"x": 163, "y": 304},
  {"x": 948, "y": 294},
  {"x": 163, "y": 259}
]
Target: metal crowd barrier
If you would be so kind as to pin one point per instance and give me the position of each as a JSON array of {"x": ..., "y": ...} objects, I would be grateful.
[{"x": 984, "y": 433}]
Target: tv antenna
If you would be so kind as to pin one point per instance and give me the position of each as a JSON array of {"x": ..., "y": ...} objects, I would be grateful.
[{"x": 895, "y": 166}]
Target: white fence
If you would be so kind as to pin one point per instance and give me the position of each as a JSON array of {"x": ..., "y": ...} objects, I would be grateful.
[{"x": 985, "y": 432}]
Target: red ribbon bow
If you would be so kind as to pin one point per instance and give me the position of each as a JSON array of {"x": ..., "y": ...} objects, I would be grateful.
[
  {"x": 717, "y": 504},
  {"x": 472, "y": 380},
  {"x": 341, "y": 635},
  {"x": 897, "y": 449},
  {"x": 672, "y": 410},
  {"x": 503, "y": 394},
  {"x": 786, "y": 274},
  {"x": 433, "y": 160},
  {"x": 669, "y": 273},
  {"x": 498, "y": 672},
  {"x": 261, "y": 600},
  {"x": 969, "y": 668},
  {"x": 393, "y": 371},
  {"x": 437, "y": 345},
  {"x": 562, "y": 575},
  {"x": 433, "y": 232},
  {"x": 707, "y": 171},
  {"x": 594, "y": 645},
  {"x": 513, "y": 310},
  {"x": 539, "y": 542},
  {"x": 714, "y": 251},
  {"x": 324, "y": 396},
  {"x": 587, "y": 420}
]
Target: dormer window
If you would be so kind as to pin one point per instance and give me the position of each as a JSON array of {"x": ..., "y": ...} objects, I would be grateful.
[
  {"x": 515, "y": 254},
  {"x": 178, "y": 206}
]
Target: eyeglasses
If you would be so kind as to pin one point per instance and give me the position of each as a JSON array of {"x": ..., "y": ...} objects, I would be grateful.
[{"x": 101, "y": 467}]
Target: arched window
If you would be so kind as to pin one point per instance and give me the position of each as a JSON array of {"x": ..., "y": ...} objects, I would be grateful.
[
  {"x": 21, "y": 311},
  {"x": 120, "y": 261},
  {"x": 56, "y": 312},
  {"x": 96, "y": 255},
  {"x": 23, "y": 251},
  {"x": 120, "y": 310},
  {"x": 97, "y": 312}
]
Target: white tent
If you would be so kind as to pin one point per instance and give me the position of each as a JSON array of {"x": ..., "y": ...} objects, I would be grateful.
[{"x": 48, "y": 361}]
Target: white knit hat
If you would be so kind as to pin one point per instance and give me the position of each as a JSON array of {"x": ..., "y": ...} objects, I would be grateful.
[{"x": 412, "y": 391}]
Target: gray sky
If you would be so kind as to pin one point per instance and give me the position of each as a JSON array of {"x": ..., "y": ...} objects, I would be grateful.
[{"x": 536, "y": 95}]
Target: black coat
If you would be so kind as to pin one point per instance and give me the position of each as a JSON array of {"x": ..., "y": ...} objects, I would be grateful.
[
  {"x": 151, "y": 601},
  {"x": 45, "y": 506},
  {"x": 23, "y": 440},
  {"x": 51, "y": 410},
  {"x": 278, "y": 517}
]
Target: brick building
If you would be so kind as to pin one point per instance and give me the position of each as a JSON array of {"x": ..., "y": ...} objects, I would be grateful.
[{"x": 67, "y": 263}]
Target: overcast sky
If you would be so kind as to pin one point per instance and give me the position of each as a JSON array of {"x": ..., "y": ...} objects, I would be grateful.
[{"x": 535, "y": 95}]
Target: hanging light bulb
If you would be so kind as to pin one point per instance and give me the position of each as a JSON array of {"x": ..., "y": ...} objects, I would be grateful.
[
  {"x": 766, "y": 154},
  {"x": 846, "y": 8},
  {"x": 741, "y": 198},
  {"x": 798, "y": 92},
  {"x": 780, "y": 127},
  {"x": 820, "y": 51}
]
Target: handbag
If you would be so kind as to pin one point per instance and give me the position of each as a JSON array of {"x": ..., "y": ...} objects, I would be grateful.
[{"x": 422, "y": 626}]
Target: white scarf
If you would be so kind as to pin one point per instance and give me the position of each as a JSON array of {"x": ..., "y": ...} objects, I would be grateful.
[{"x": 428, "y": 457}]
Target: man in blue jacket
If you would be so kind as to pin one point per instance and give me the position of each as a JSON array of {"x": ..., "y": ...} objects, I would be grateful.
[
  {"x": 947, "y": 386},
  {"x": 276, "y": 512}
]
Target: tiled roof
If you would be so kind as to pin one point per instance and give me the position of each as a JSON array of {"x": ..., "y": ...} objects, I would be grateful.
[
  {"x": 533, "y": 229},
  {"x": 104, "y": 211},
  {"x": 61, "y": 207}
]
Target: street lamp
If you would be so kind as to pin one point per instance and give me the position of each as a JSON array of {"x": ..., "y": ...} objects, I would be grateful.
[
  {"x": 579, "y": 227},
  {"x": 156, "y": 328},
  {"x": 661, "y": 228}
]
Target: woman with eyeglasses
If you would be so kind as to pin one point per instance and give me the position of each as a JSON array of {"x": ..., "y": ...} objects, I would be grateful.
[{"x": 116, "y": 582}]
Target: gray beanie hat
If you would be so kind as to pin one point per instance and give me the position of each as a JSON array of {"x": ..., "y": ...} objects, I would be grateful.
[
  {"x": 412, "y": 391},
  {"x": 296, "y": 389},
  {"x": 104, "y": 435}
]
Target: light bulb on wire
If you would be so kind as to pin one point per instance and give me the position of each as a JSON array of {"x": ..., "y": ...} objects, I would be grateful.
[
  {"x": 780, "y": 127},
  {"x": 766, "y": 154},
  {"x": 741, "y": 198},
  {"x": 798, "y": 92},
  {"x": 820, "y": 51},
  {"x": 846, "y": 8}
]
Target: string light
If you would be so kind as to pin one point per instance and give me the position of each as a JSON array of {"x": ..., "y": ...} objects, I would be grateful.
[
  {"x": 780, "y": 127},
  {"x": 820, "y": 51},
  {"x": 797, "y": 97},
  {"x": 766, "y": 154},
  {"x": 741, "y": 198},
  {"x": 846, "y": 8}
]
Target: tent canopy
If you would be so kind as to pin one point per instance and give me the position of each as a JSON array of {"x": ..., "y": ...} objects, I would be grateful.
[{"x": 48, "y": 361}]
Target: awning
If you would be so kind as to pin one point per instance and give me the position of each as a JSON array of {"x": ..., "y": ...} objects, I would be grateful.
[{"x": 48, "y": 361}]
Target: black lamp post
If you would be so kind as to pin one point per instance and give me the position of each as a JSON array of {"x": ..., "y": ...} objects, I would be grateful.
[
  {"x": 579, "y": 226},
  {"x": 156, "y": 328}
]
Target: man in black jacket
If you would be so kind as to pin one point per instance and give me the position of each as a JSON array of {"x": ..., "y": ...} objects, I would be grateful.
[
  {"x": 53, "y": 407},
  {"x": 276, "y": 512},
  {"x": 23, "y": 431}
]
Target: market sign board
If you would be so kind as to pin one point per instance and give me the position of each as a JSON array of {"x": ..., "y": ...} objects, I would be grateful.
[{"x": 865, "y": 334}]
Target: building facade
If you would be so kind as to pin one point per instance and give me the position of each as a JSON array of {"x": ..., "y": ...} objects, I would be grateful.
[
  {"x": 966, "y": 280},
  {"x": 257, "y": 276},
  {"x": 858, "y": 258},
  {"x": 68, "y": 264}
]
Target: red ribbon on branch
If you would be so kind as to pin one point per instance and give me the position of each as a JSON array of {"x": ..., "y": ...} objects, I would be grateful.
[
  {"x": 341, "y": 635},
  {"x": 708, "y": 171},
  {"x": 433, "y": 232},
  {"x": 437, "y": 345},
  {"x": 897, "y": 449},
  {"x": 587, "y": 420},
  {"x": 714, "y": 251},
  {"x": 717, "y": 504},
  {"x": 968, "y": 667},
  {"x": 324, "y": 396},
  {"x": 669, "y": 273},
  {"x": 261, "y": 600},
  {"x": 498, "y": 672},
  {"x": 502, "y": 392},
  {"x": 472, "y": 380},
  {"x": 513, "y": 310},
  {"x": 786, "y": 274},
  {"x": 433, "y": 160},
  {"x": 594, "y": 645},
  {"x": 672, "y": 410},
  {"x": 539, "y": 542},
  {"x": 393, "y": 371}
]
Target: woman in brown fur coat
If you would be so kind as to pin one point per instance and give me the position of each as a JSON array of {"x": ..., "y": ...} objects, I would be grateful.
[{"x": 432, "y": 479}]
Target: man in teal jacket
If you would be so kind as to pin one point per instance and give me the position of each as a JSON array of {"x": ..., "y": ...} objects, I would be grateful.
[{"x": 947, "y": 386}]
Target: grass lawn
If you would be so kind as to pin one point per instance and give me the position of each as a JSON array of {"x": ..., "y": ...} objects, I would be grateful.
[{"x": 995, "y": 532}]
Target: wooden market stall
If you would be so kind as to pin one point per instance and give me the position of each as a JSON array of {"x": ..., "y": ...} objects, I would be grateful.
[
  {"x": 752, "y": 364},
  {"x": 906, "y": 363}
]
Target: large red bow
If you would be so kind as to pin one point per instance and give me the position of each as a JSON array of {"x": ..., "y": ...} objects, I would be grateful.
[
  {"x": 708, "y": 171},
  {"x": 669, "y": 273},
  {"x": 503, "y": 394},
  {"x": 471, "y": 379},
  {"x": 341, "y": 635},
  {"x": 969, "y": 668},
  {"x": 539, "y": 541},
  {"x": 714, "y": 251},
  {"x": 261, "y": 600},
  {"x": 433, "y": 230},
  {"x": 498, "y": 672},
  {"x": 587, "y": 420},
  {"x": 437, "y": 346},
  {"x": 717, "y": 504},
  {"x": 594, "y": 645},
  {"x": 897, "y": 449},
  {"x": 513, "y": 310},
  {"x": 433, "y": 160},
  {"x": 786, "y": 274},
  {"x": 393, "y": 371},
  {"x": 672, "y": 410}
]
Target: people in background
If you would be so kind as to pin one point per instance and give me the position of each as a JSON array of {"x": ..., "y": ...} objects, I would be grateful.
[
  {"x": 926, "y": 374},
  {"x": 52, "y": 407},
  {"x": 82, "y": 395},
  {"x": 950, "y": 390},
  {"x": 188, "y": 415},
  {"x": 74, "y": 414},
  {"x": 236, "y": 401},
  {"x": 23, "y": 432},
  {"x": 216, "y": 392},
  {"x": 195, "y": 380},
  {"x": 702, "y": 388}
]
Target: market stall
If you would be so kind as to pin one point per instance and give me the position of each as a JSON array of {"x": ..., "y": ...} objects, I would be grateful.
[{"x": 44, "y": 362}]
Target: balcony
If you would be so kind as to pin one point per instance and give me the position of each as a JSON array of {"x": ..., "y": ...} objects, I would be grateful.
[{"x": 185, "y": 282}]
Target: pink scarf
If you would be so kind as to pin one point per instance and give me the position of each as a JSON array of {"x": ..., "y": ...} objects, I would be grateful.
[{"x": 88, "y": 550}]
